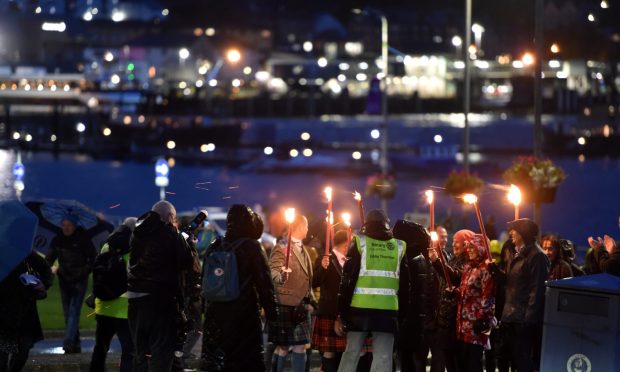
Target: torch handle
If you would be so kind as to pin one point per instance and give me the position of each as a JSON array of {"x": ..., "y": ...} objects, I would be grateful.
[
  {"x": 360, "y": 206},
  {"x": 443, "y": 266},
  {"x": 483, "y": 231},
  {"x": 327, "y": 234},
  {"x": 288, "y": 247}
]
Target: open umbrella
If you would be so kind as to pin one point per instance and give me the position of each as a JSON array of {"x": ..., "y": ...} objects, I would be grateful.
[
  {"x": 17, "y": 229},
  {"x": 51, "y": 212}
]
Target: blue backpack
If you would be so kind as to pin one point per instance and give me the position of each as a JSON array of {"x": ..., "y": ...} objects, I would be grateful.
[{"x": 220, "y": 278}]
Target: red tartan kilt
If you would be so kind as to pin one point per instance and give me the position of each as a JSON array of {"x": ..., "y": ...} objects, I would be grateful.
[{"x": 324, "y": 338}]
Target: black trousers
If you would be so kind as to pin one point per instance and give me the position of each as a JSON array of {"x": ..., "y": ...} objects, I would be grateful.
[
  {"x": 152, "y": 322},
  {"x": 470, "y": 357},
  {"x": 14, "y": 362},
  {"x": 106, "y": 328},
  {"x": 524, "y": 343}
]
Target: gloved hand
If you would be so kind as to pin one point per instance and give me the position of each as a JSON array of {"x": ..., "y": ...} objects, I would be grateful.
[
  {"x": 481, "y": 326},
  {"x": 493, "y": 268}
]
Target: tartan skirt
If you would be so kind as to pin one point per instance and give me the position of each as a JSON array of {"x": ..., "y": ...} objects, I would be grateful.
[
  {"x": 291, "y": 328},
  {"x": 324, "y": 338}
]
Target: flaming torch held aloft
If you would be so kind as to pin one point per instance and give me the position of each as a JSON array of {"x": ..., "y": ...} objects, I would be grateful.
[
  {"x": 473, "y": 199},
  {"x": 360, "y": 206},
  {"x": 289, "y": 215},
  {"x": 329, "y": 219},
  {"x": 430, "y": 199},
  {"x": 434, "y": 239},
  {"x": 514, "y": 196},
  {"x": 346, "y": 218}
]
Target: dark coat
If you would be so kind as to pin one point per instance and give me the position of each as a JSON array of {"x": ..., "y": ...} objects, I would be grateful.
[
  {"x": 75, "y": 253},
  {"x": 560, "y": 269},
  {"x": 526, "y": 274},
  {"x": 19, "y": 319},
  {"x": 233, "y": 339},
  {"x": 612, "y": 266},
  {"x": 329, "y": 282},
  {"x": 158, "y": 255}
]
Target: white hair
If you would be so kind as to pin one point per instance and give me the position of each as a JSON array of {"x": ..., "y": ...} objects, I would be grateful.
[
  {"x": 130, "y": 222},
  {"x": 164, "y": 208}
]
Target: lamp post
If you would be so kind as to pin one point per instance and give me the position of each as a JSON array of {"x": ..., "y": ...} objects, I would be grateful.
[
  {"x": 383, "y": 161},
  {"x": 467, "y": 85}
]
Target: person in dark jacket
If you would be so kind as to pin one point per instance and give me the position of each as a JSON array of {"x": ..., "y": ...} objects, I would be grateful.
[
  {"x": 368, "y": 294},
  {"x": 327, "y": 276},
  {"x": 159, "y": 253},
  {"x": 523, "y": 312},
  {"x": 111, "y": 315},
  {"x": 560, "y": 268},
  {"x": 568, "y": 251},
  {"x": 20, "y": 327},
  {"x": 232, "y": 338},
  {"x": 76, "y": 255},
  {"x": 418, "y": 302}
]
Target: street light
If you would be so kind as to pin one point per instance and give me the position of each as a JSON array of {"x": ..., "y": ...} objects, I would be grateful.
[
  {"x": 458, "y": 43},
  {"x": 383, "y": 161},
  {"x": 467, "y": 85},
  {"x": 477, "y": 30},
  {"x": 162, "y": 170}
]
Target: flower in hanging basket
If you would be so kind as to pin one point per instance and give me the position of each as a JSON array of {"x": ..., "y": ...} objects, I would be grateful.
[
  {"x": 381, "y": 185},
  {"x": 529, "y": 172},
  {"x": 459, "y": 183}
]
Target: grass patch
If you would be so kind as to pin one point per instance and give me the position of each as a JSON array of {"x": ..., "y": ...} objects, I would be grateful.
[{"x": 50, "y": 310}]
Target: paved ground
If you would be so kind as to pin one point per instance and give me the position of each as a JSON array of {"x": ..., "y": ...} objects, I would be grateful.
[{"x": 47, "y": 355}]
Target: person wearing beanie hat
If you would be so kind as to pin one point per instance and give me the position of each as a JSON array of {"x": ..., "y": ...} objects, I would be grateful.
[
  {"x": 76, "y": 254},
  {"x": 368, "y": 293},
  {"x": 327, "y": 276},
  {"x": 525, "y": 276}
]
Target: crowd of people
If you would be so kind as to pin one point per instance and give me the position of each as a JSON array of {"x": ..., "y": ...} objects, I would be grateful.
[{"x": 370, "y": 301}]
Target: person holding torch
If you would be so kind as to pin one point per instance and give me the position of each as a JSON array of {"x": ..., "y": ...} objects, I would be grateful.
[{"x": 291, "y": 271}]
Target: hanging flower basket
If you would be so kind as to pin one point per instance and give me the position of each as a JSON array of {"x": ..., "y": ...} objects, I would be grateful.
[
  {"x": 381, "y": 185},
  {"x": 459, "y": 183},
  {"x": 537, "y": 178}
]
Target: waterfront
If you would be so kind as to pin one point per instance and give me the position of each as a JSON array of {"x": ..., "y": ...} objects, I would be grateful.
[{"x": 586, "y": 203}]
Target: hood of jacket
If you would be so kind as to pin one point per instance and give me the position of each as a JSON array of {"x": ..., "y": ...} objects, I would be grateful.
[{"x": 119, "y": 239}]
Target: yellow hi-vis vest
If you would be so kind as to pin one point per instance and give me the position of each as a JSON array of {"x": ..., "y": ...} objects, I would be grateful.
[{"x": 377, "y": 284}]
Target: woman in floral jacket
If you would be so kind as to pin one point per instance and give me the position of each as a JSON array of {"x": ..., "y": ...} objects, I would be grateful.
[{"x": 476, "y": 308}]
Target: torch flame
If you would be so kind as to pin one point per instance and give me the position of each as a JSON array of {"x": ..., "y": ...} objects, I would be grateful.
[
  {"x": 429, "y": 196},
  {"x": 434, "y": 236},
  {"x": 328, "y": 193},
  {"x": 357, "y": 196},
  {"x": 514, "y": 195},
  {"x": 331, "y": 218},
  {"x": 289, "y": 214},
  {"x": 346, "y": 218},
  {"x": 470, "y": 198}
]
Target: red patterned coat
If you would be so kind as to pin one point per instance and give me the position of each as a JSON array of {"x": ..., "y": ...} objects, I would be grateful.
[{"x": 477, "y": 301}]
